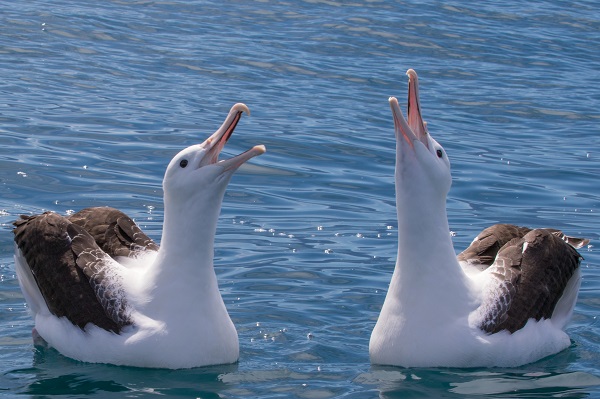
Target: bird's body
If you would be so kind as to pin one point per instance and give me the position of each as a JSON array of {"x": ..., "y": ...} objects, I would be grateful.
[
  {"x": 100, "y": 290},
  {"x": 503, "y": 302}
]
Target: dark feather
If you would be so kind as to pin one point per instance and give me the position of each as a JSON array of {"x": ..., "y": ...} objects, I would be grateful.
[
  {"x": 96, "y": 265},
  {"x": 485, "y": 247},
  {"x": 71, "y": 271},
  {"x": 114, "y": 232},
  {"x": 528, "y": 277}
]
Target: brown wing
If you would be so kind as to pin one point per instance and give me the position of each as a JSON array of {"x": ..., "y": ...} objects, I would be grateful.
[
  {"x": 484, "y": 248},
  {"x": 526, "y": 280},
  {"x": 114, "y": 232},
  {"x": 102, "y": 274},
  {"x": 61, "y": 257}
]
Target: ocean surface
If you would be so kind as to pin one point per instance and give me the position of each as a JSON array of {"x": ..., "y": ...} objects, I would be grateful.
[{"x": 96, "y": 97}]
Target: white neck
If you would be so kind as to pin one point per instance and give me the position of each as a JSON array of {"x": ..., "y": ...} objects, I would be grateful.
[
  {"x": 184, "y": 263},
  {"x": 427, "y": 274},
  {"x": 189, "y": 227}
]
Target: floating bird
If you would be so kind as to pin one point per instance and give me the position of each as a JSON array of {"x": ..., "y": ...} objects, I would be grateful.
[
  {"x": 504, "y": 301},
  {"x": 100, "y": 290}
]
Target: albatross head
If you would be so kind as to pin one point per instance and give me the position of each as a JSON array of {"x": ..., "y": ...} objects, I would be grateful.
[
  {"x": 195, "y": 183},
  {"x": 422, "y": 166},
  {"x": 197, "y": 171}
]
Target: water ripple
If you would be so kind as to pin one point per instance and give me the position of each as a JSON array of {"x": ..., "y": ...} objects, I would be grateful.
[{"x": 97, "y": 98}]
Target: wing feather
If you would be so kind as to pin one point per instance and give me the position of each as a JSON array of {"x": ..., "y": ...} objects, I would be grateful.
[
  {"x": 114, "y": 232},
  {"x": 60, "y": 271},
  {"x": 103, "y": 274},
  {"x": 526, "y": 280},
  {"x": 483, "y": 250}
]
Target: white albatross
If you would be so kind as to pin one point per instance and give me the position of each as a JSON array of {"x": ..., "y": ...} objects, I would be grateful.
[
  {"x": 101, "y": 291},
  {"x": 504, "y": 301}
]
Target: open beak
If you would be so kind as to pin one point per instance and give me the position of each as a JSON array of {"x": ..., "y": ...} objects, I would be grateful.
[
  {"x": 217, "y": 140},
  {"x": 415, "y": 127}
]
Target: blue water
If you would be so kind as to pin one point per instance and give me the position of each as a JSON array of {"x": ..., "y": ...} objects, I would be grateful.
[{"x": 96, "y": 99}]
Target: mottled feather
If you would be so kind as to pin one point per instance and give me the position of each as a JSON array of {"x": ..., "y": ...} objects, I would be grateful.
[
  {"x": 69, "y": 268},
  {"x": 102, "y": 273},
  {"x": 46, "y": 245},
  {"x": 526, "y": 280}
]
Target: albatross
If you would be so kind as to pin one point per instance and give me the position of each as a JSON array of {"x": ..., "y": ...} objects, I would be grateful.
[
  {"x": 101, "y": 291},
  {"x": 504, "y": 301}
]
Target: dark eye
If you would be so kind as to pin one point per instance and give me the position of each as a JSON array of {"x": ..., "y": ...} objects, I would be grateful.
[
  {"x": 183, "y": 163},
  {"x": 439, "y": 153}
]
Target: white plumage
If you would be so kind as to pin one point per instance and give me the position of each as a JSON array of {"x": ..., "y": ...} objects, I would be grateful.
[
  {"x": 504, "y": 304},
  {"x": 101, "y": 291}
]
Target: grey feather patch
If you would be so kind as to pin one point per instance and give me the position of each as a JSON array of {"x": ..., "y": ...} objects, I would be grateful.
[
  {"x": 499, "y": 292},
  {"x": 101, "y": 272}
]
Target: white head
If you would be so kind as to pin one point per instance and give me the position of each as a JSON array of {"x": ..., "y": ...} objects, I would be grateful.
[
  {"x": 422, "y": 166},
  {"x": 195, "y": 180}
]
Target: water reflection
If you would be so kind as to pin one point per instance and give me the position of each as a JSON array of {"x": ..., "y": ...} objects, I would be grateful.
[{"x": 539, "y": 380}]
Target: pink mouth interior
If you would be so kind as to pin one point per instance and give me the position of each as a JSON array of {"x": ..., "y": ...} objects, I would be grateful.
[{"x": 219, "y": 146}]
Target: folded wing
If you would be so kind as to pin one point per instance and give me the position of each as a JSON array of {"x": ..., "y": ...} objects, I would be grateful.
[
  {"x": 72, "y": 263},
  {"x": 530, "y": 274}
]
